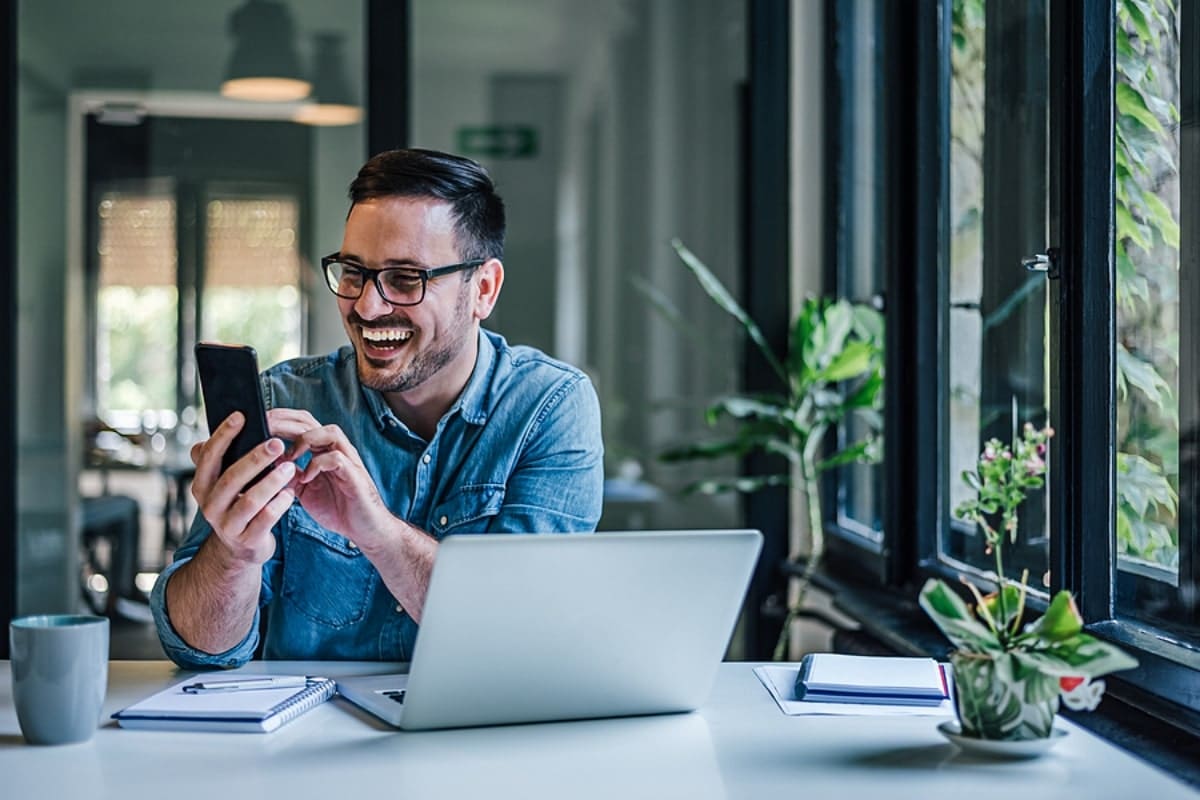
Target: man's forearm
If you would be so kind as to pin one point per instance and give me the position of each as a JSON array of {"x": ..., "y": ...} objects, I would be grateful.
[
  {"x": 404, "y": 560},
  {"x": 211, "y": 600}
]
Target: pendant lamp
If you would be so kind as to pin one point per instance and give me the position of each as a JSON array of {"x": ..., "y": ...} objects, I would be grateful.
[
  {"x": 332, "y": 101},
  {"x": 264, "y": 65}
]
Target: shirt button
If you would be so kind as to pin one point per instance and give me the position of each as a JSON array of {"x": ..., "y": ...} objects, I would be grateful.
[
  {"x": 426, "y": 458},
  {"x": 442, "y": 520},
  {"x": 352, "y": 545},
  {"x": 399, "y": 608}
]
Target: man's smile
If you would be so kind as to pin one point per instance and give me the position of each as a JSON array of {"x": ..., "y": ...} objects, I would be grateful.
[{"x": 385, "y": 338}]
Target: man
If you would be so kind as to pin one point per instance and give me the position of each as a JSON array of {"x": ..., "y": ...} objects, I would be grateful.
[{"x": 424, "y": 426}]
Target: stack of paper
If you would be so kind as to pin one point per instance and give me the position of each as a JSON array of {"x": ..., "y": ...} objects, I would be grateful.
[
  {"x": 859, "y": 685},
  {"x": 886, "y": 680}
]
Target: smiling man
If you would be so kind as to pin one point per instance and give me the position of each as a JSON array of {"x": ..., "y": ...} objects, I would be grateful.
[{"x": 425, "y": 425}]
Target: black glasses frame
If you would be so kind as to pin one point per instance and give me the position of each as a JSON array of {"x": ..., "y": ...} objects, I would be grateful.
[{"x": 424, "y": 274}]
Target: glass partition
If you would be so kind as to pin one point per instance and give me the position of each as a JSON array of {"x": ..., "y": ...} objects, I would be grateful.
[{"x": 154, "y": 210}]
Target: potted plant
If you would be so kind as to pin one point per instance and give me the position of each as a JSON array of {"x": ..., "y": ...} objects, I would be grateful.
[
  {"x": 1009, "y": 676},
  {"x": 833, "y": 369}
]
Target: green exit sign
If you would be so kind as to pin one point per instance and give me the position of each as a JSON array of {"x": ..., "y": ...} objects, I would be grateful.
[{"x": 498, "y": 141}]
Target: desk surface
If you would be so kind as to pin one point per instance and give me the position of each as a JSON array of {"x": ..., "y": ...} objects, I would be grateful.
[{"x": 738, "y": 746}]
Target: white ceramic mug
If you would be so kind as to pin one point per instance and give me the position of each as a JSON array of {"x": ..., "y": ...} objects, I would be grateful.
[{"x": 59, "y": 675}]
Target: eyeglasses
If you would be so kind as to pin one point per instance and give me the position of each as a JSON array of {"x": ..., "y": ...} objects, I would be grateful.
[{"x": 400, "y": 286}]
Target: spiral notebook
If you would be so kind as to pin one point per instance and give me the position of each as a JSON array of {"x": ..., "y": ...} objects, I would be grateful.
[{"x": 252, "y": 710}]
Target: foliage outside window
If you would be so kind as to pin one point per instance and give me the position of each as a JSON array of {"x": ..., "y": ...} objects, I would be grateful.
[{"x": 1147, "y": 287}]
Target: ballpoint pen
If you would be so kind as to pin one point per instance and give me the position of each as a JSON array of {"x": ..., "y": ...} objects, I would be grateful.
[{"x": 244, "y": 684}]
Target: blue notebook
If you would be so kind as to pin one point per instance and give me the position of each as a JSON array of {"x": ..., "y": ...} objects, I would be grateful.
[
  {"x": 180, "y": 708},
  {"x": 888, "y": 680}
]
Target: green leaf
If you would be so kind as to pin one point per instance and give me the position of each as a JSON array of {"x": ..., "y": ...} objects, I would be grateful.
[
  {"x": 1138, "y": 17},
  {"x": 1142, "y": 376},
  {"x": 860, "y": 452},
  {"x": 868, "y": 393},
  {"x": 1012, "y": 605},
  {"x": 1128, "y": 228},
  {"x": 755, "y": 408},
  {"x": 1164, "y": 219},
  {"x": 1061, "y": 620},
  {"x": 1142, "y": 485},
  {"x": 1083, "y": 654},
  {"x": 1130, "y": 103},
  {"x": 853, "y": 360},
  {"x": 838, "y": 322},
  {"x": 721, "y": 296},
  {"x": 663, "y": 305},
  {"x": 953, "y": 618}
]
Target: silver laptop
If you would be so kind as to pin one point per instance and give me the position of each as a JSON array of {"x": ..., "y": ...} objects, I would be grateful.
[{"x": 539, "y": 627}]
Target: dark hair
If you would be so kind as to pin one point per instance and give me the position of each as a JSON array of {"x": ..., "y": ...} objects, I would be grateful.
[{"x": 461, "y": 182}]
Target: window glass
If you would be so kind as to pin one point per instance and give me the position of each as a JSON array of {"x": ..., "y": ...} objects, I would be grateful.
[
  {"x": 252, "y": 275},
  {"x": 1151, "y": 499},
  {"x": 998, "y": 202},
  {"x": 860, "y": 238},
  {"x": 137, "y": 304}
]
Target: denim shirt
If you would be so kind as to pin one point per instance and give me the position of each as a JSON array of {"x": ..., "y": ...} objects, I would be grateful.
[{"x": 519, "y": 451}]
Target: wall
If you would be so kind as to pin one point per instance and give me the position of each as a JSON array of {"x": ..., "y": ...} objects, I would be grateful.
[{"x": 646, "y": 149}]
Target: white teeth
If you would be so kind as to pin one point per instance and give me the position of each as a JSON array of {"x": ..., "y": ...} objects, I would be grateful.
[{"x": 389, "y": 335}]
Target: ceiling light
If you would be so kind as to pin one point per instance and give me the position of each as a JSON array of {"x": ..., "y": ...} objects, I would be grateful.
[
  {"x": 332, "y": 99},
  {"x": 264, "y": 65}
]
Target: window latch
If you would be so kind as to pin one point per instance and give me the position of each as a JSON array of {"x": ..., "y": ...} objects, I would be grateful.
[{"x": 1046, "y": 262}]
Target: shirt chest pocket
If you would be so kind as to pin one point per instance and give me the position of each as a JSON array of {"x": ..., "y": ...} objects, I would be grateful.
[
  {"x": 325, "y": 578},
  {"x": 468, "y": 510}
]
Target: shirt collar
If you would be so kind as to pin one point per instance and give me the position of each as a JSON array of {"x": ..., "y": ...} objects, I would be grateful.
[{"x": 471, "y": 402}]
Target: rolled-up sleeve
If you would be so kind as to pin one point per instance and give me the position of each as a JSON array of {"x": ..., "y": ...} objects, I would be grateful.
[{"x": 173, "y": 644}]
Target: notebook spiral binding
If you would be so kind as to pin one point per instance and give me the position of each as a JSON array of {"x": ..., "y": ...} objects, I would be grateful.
[{"x": 318, "y": 691}]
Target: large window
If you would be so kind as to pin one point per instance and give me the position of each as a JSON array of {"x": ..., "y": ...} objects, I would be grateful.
[{"x": 1040, "y": 266}]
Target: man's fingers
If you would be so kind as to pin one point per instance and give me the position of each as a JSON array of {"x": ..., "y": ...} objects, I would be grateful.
[
  {"x": 288, "y": 423},
  {"x": 256, "y": 543},
  {"x": 207, "y": 455}
]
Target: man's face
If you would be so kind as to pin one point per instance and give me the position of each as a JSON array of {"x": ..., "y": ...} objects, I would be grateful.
[{"x": 430, "y": 345}]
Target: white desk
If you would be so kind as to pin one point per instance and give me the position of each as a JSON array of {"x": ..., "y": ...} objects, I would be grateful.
[{"x": 738, "y": 746}]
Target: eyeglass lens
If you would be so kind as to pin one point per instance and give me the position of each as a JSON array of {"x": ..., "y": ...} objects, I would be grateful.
[{"x": 396, "y": 285}]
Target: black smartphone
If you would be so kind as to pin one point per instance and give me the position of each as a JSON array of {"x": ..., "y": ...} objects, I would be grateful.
[{"x": 229, "y": 381}]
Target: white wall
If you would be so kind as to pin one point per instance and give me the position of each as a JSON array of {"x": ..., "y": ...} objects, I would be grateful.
[{"x": 648, "y": 148}]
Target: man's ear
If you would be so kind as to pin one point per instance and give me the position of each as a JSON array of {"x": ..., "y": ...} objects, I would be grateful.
[{"x": 489, "y": 277}]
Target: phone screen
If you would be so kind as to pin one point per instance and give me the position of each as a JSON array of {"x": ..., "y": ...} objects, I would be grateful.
[{"x": 229, "y": 381}]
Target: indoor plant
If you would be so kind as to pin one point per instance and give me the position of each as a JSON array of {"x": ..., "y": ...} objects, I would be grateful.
[
  {"x": 833, "y": 369},
  {"x": 1009, "y": 676}
]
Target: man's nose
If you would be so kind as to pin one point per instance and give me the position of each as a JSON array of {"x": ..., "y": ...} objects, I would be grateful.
[{"x": 370, "y": 303}]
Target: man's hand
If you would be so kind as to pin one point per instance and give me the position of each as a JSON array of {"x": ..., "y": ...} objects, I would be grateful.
[
  {"x": 335, "y": 487},
  {"x": 212, "y": 598},
  {"x": 338, "y": 492},
  {"x": 242, "y": 520}
]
